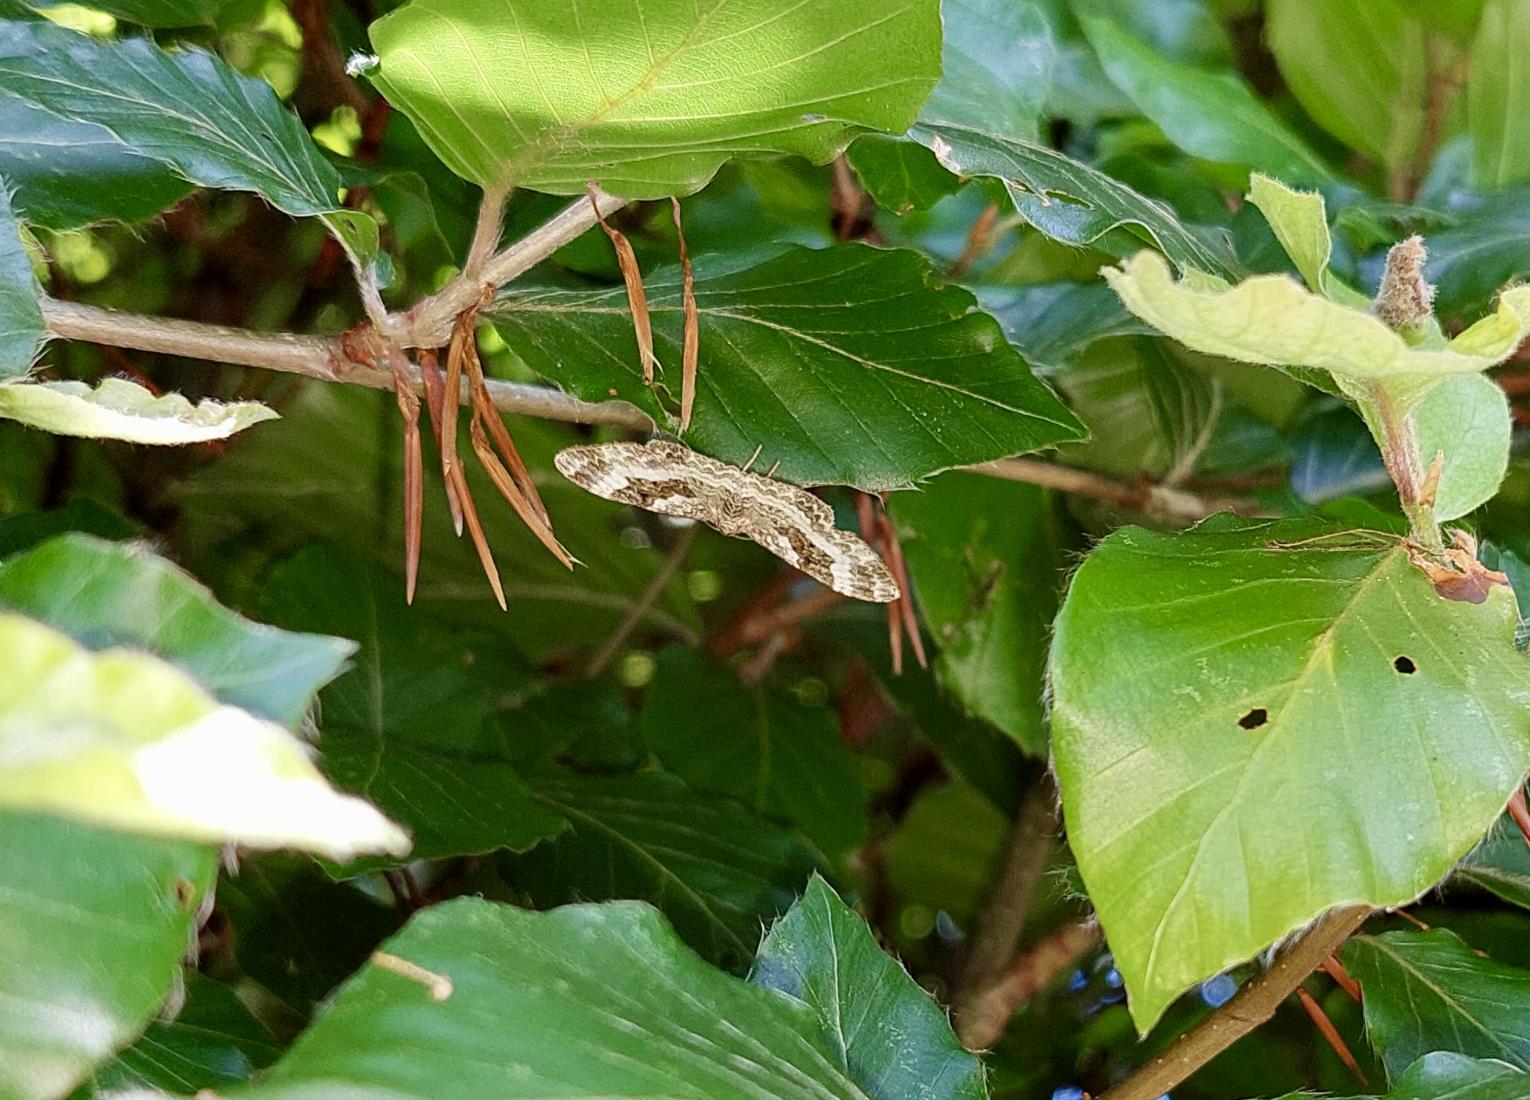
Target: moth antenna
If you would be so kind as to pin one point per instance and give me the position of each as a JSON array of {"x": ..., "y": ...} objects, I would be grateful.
[
  {"x": 774, "y": 466},
  {"x": 752, "y": 457}
]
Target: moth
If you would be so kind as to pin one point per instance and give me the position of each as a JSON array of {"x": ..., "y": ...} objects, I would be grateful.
[{"x": 791, "y": 523}]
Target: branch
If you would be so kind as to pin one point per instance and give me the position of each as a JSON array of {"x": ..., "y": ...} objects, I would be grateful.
[
  {"x": 428, "y": 324},
  {"x": 1027, "y": 974},
  {"x": 1255, "y": 1003},
  {"x": 1002, "y": 920},
  {"x": 319, "y": 357},
  {"x": 1160, "y": 501}
]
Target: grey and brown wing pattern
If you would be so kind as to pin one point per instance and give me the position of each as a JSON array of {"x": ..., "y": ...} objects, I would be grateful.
[{"x": 791, "y": 523}]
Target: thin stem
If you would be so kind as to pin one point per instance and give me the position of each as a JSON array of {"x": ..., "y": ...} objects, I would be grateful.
[
  {"x": 1162, "y": 501},
  {"x": 1254, "y": 1004},
  {"x": 491, "y": 220},
  {"x": 1026, "y": 975},
  {"x": 640, "y": 607},
  {"x": 428, "y": 323},
  {"x": 1002, "y": 919},
  {"x": 1399, "y": 450},
  {"x": 321, "y": 357}
]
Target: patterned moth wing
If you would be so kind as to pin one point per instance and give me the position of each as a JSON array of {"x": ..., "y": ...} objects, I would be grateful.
[{"x": 791, "y": 523}]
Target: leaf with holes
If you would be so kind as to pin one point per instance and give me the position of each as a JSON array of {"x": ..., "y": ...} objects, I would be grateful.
[
  {"x": 850, "y": 365},
  {"x": 650, "y": 99},
  {"x": 188, "y": 110},
  {"x": 93, "y": 925},
  {"x": 118, "y": 409},
  {"x": 1071, "y": 202},
  {"x": 1428, "y": 991},
  {"x": 1254, "y": 722},
  {"x": 822, "y": 953}
]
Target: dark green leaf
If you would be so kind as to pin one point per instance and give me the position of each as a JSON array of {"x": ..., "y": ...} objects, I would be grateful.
[
  {"x": 188, "y": 110},
  {"x": 996, "y": 67},
  {"x": 1054, "y": 323},
  {"x": 891, "y": 1038},
  {"x": 69, "y": 173},
  {"x": 587, "y": 1001},
  {"x": 943, "y": 853},
  {"x": 1487, "y": 248},
  {"x": 21, "y": 322},
  {"x": 984, "y": 556},
  {"x": 1501, "y": 863},
  {"x": 213, "y": 1041},
  {"x": 1207, "y": 114},
  {"x": 717, "y": 870},
  {"x": 1074, "y": 203},
  {"x": 93, "y": 925},
  {"x": 1305, "y": 723},
  {"x": 109, "y": 594},
  {"x": 850, "y": 365},
  {"x": 1427, "y": 991},
  {"x": 783, "y": 759},
  {"x": 900, "y": 175}
]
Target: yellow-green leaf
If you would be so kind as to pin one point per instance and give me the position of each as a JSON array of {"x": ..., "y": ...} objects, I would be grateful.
[
  {"x": 118, "y": 409},
  {"x": 124, "y": 739}
]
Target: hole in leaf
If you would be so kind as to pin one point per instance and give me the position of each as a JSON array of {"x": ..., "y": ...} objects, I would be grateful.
[
  {"x": 1254, "y": 718},
  {"x": 1405, "y": 665}
]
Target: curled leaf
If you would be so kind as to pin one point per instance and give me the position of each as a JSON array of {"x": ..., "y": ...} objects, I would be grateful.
[
  {"x": 1272, "y": 319},
  {"x": 119, "y": 409}
]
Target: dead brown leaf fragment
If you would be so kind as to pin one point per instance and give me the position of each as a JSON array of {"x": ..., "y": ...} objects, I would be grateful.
[
  {"x": 414, "y": 466},
  {"x": 1461, "y": 576},
  {"x": 637, "y": 298},
  {"x": 435, "y": 402},
  {"x": 691, "y": 344}
]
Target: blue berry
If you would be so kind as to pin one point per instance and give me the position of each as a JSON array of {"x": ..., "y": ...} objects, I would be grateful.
[
  {"x": 1067, "y": 1092},
  {"x": 1217, "y": 991},
  {"x": 1077, "y": 980},
  {"x": 1113, "y": 978}
]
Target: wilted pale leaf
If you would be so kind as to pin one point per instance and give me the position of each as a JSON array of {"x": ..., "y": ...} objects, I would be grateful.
[
  {"x": 124, "y": 739},
  {"x": 1273, "y": 319},
  {"x": 118, "y": 409}
]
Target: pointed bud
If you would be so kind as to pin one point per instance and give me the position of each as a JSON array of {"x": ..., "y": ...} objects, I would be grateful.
[{"x": 1405, "y": 299}]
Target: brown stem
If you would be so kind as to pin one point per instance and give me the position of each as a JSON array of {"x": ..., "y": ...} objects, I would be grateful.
[
  {"x": 1254, "y": 1004},
  {"x": 1026, "y": 975},
  {"x": 999, "y": 925},
  {"x": 1153, "y": 500},
  {"x": 640, "y": 607}
]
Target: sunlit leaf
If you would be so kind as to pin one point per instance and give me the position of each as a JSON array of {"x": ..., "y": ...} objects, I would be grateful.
[{"x": 118, "y": 409}]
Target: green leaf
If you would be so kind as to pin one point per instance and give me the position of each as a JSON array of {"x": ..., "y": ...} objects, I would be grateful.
[
  {"x": 1427, "y": 991},
  {"x": 585, "y": 1001},
  {"x": 1266, "y": 759},
  {"x": 1466, "y": 417},
  {"x": 1485, "y": 250},
  {"x": 188, "y": 110},
  {"x": 106, "y": 594},
  {"x": 161, "y": 13},
  {"x": 984, "y": 557},
  {"x": 406, "y": 727},
  {"x": 119, "y": 409},
  {"x": 414, "y": 678},
  {"x": 996, "y": 67},
  {"x": 21, "y": 322},
  {"x": 1447, "y": 1076},
  {"x": 1498, "y": 95},
  {"x": 1071, "y": 202},
  {"x": 1271, "y": 319},
  {"x": 1360, "y": 68},
  {"x": 69, "y": 173},
  {"x": 900, "y": 175},
  {"x": 1053, "y": 324},
  {"x": 212, "y": 1042},
  {"x": 889, "y": 1035},
  {"x": 717, "y": 870},
  {"x": 93, "y": 925},
  {"x": 851, "y": 365},
  {"x": 1213, "y": 115},
  {"x": 124, "y": 739},
  {"x": 1501, "y": 864},
  {"x": 943, "y": 853},
  {"x": 649, "y": 100},
  {"x": 783, "y": 759}
]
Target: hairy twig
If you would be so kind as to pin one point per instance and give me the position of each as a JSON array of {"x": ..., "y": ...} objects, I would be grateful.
[
  {"x": 1254, "y": 1004},
  {"x": 321, "y": 357}
]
